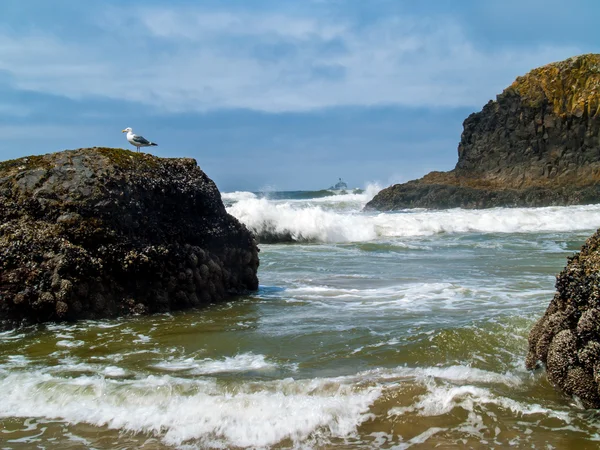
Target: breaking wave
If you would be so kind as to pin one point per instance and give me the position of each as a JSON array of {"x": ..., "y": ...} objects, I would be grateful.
[{"x": 340, "y": 219}]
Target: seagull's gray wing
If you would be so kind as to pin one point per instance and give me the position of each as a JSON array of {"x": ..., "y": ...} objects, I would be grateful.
[{"x": 141, "y": 140}]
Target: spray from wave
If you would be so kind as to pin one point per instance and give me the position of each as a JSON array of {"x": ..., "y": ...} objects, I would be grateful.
[
  {"x": 340, "y": 219},
  {"x": 304, "y": 217}
]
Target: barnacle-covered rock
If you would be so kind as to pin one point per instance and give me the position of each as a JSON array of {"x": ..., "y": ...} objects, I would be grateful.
[
  {"x": 567, "y": 338},
  {"x": 100, "y": 232}
]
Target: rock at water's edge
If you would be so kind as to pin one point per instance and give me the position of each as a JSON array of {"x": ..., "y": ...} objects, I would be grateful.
[
  {"x": 99, "y": 232},
  {"x": 567, "y": 338},
  {"x": 537, "y": 144}
]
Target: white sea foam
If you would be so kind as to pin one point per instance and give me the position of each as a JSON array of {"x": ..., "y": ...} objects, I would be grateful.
[
  {"x": 114, "y": 371},
  {"x": 443, "y": 399},
  {"x": 358, "y": 200},
  {"x": 10, "y": 335},
  {"x": 141, "y": 339},
  {"x": 464, "y": 388},
  {"x": 389, "y": 342},
  {"x": 72, "y": 365},
  {"x": 284, "y": 221},
  {"x": 69, "y": 344},
  {"x": 413, "y": 296},
  {"x": 243, "y": 362},
  {"x": 325, "y": 219},
  {"x": 201, "y": 412},
  {"x": 237, "y": 196},
  {"x": 316, "y": 220},
  {"x": 205, "y": 412},
  {"x": 420, "y": 439},
  {"x": 418, "y": 291},
  {"x": 462, "y": 374},
  {"x": 17, "y": 361},
  {"x": 63, "y": 335}
]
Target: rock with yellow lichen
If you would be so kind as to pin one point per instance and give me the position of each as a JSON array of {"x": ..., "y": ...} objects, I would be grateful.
[
  {"x": 99, "y": 232},
  {"x": 537, "y": 144}
]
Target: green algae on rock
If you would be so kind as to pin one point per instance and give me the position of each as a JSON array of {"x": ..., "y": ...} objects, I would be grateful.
[
  {"x": 101, "y": 232},
  {"x": 537, "y": 144}
]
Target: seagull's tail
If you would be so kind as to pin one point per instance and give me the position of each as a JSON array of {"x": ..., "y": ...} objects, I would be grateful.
[{"x": 153, "y": 144}]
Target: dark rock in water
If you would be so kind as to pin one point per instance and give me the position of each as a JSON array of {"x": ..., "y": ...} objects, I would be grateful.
[
  {"x": 101, "y": 232},
  {"x": 567, "y": 338},
  {"x": 537, "y": 144}
]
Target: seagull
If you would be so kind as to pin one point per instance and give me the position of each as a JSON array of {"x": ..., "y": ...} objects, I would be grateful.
[{"x": 137, "y": 141}]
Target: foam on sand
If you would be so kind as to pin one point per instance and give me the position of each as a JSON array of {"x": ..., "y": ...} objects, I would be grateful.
[
  {"x": 207, "y": 412},
  {"x": 201, "y": 411}
]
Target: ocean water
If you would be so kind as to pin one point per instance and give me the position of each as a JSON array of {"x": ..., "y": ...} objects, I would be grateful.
[{"x": 369, "y": 330}]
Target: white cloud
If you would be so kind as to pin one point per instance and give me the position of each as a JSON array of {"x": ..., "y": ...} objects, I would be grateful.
[
  {"x": 43, "y": 133},
  {"x": 196, "y": 25},
  {"x": 187, "y": 59}
]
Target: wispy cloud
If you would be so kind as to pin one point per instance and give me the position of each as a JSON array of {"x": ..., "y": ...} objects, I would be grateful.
[{"x": 192, "y": 59}]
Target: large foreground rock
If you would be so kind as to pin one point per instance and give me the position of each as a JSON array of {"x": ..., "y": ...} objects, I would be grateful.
[
  {"x": 537, "y": 144},
  {"x": 567, "y": 338},
  {"x": 100, "y": 232}
]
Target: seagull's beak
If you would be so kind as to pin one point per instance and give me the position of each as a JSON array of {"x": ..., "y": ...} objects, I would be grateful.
[{"x": 124, "y": 131}]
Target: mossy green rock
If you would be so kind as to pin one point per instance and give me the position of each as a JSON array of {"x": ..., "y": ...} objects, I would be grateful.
[
  {"x": 537, "y": 144},
  {"x": 100, "y": 232}
]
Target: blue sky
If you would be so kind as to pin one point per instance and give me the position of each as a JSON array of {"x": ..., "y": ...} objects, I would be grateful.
[{"x": 272, "y": 94}]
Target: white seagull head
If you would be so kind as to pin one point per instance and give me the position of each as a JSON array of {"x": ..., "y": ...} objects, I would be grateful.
[{"x": 127, "y": 130}]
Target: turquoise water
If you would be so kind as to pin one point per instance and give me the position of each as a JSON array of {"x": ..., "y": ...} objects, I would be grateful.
[{"x": 396, "y": 330}]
